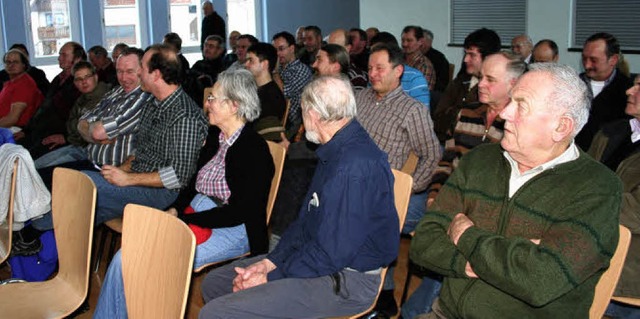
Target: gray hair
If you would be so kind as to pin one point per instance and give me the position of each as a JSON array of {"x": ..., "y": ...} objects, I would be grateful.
[
  {"x": 515, "y": 65},
  {"x": 570, "y": 94},
  {"x": 239, "y": 86},
  {"x": 331, "y": 97}
]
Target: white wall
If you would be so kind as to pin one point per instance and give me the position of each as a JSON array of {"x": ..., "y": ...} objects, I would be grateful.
[{"x": 545, "y": 19}]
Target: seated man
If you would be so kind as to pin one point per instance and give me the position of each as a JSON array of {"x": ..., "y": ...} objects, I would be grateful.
[
  {"x": 261, "y": 62},
  {"x": 617, "y": 145},
  {"x": 328, "y": 262},
  {"x": 86, "y": 80},
  {"x": 525, "y": 228},
  {"x": 171, "y": 131}
]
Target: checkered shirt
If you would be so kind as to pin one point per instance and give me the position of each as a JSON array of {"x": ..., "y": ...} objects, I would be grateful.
[
  {"x": 399, "y": 124},
  {"x": 120, "y": 114},
  {"x": 295, "y": 76},
  {"x": 422, "y": 63},
  {"x": 211, "y": 179},
  {"x": 169, "y": 139}
]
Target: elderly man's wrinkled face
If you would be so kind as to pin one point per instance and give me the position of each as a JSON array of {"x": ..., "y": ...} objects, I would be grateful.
[
  {"x": 66, "y": 60},
  {"x": 520, "y": 46},
  {"x": 529, "y": 120},
  {"x": 495, "y": 81},
  {"x": 633, "y": 99},
  {"x": 128, "y": 70},
  {"x": 597, "y": 65}
]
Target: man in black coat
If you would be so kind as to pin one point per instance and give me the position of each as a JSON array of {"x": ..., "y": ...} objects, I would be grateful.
[{"x": 211, "y": 24}]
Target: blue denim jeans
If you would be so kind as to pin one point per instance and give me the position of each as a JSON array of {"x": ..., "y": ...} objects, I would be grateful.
[
  {"x": 223, "y": 244},
  {"x": 623, "y": 311},
  {"x": 112, "y": 199},
  {"x": 423, "y": 297},
  {"x": 69, "y": 153}
]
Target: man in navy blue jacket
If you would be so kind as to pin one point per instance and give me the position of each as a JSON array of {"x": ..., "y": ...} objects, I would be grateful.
[{"x": 328, "y": 261}]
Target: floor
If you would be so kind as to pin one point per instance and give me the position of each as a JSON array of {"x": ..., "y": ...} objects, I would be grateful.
[{"x": 195, "y": 302}]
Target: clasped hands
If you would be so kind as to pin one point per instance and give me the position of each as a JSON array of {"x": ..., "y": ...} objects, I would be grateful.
[{"x": 253, "y": 275}]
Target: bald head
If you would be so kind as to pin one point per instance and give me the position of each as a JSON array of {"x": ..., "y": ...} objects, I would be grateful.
[
  {"x": 545, "y": 51},
  {"x": 339, "y": 37}
]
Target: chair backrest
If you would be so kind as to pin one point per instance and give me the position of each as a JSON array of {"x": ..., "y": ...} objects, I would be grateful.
[
  {"x": 286, "y": 113},
  {"x": 402, "y": 185},
  {"x": 410, "y": 164},
  {"x": 73, "y": 202},
  {"x": 452, "y": 67},
  {"x": 157, "y": 259},
  {"x": 607, "y": 283},
  {"x": 278, "y": 153},
  {"x": 6, "y": 229}
]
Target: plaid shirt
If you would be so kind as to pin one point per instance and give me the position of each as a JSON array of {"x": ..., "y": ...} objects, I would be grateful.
[
  {"x": 400, "y": 124},
  {"x": 169, "y": 139},
  {"x": 120, "y": 114},
  {"x": 295, "y": 76},
  {"x": 211, "y": 179},
  {"x": 422, "y": 63}
]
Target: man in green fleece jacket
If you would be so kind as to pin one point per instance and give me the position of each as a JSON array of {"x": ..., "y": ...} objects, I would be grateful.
[{"x": 524, "y": 229}]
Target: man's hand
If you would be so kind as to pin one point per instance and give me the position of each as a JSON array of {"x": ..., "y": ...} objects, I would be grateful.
[
  {"x": 285, "y": 142},
  {"x": 254, "y": 275},
  {"x": 115, "y": 175},
  {"x": 469, "y": 271},
  {"x": 458, "y": 226},
  {"x": 54, "y": 140},
  {"x": 18, "y": 136}
]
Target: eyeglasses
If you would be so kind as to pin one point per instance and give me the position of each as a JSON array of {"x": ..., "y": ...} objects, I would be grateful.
[
  {"x": 83, "y": 78},
  {"x": 12, "y": 62},
  {"x": 282, "y": 48},
  {"x": 212, "y": 98}
]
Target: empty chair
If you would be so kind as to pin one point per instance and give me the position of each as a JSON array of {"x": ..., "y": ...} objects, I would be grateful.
[{"x": 157, "y": 258}]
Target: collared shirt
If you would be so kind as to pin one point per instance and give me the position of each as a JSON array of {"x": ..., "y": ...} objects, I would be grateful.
[
  {"x": 399, "y": 124},
  {"x": 295, "y": 76},
  {"x": 635, "y": 129},
  {"x": 120, "y": 113},
  {"x": 424, "y": 65},
  {"x": 211, "y": 179},
  {"x": 169, "y": 138},
  {"x": 518, "y": 179}
]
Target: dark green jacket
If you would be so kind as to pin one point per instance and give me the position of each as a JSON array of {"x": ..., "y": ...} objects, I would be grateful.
[{"x": 571, "y": 208}]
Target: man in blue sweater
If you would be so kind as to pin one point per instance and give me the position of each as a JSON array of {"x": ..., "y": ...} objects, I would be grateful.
[{"x": 328, "y": 262}]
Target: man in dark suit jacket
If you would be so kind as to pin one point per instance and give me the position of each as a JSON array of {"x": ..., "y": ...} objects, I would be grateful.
[
  {"x": 607, "y": 84},
  {"x": 212, "y": 23}
]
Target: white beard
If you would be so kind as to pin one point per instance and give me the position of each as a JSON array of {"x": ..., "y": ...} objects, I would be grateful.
[{"x": 312, "y": 137}]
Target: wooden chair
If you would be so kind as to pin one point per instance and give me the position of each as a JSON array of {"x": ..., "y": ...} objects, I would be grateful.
[
  {"x": 401, "y": 192},
  {"x": 452, "y": 67},
  {"x": 286, "y": 113},
  {"x": 157, "y": 258},
  {"x": 627, "y": 300},
  {"x": 278, "y": 154},
  {"x": 607, "y": 283},
  {"x": 73, "y": 205},
  {"x": 6, "y": 229}
]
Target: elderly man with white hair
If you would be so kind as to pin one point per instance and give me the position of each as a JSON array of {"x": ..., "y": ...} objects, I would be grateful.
[
  {"x": 328, "y": 261},
  {"x": 528, "y": 227}
]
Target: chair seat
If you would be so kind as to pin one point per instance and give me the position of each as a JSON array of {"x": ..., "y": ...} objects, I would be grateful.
[
  {"x": 627, "y": 300},
  {"x": 199, "y": 269},
  {"x": 56, "y": 299}
]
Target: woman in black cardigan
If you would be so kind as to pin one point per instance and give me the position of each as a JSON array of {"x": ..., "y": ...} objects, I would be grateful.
[{"x": 235, "y": 208}]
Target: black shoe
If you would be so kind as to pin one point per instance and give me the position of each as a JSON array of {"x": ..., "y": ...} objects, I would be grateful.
[
  {"x": 20, "y": 247},
  {"x": 386, "y": 304}
]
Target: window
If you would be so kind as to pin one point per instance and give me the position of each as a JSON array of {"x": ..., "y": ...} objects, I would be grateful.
[
  {"x": 242, "y": 16},
  {"x": 50, "y": 26},
  {"x": 507, "y": 17},
  {"x": 618, "y": 17},
  {"x": 121, "y": 23},
  {"x": 186, "y": 17}
]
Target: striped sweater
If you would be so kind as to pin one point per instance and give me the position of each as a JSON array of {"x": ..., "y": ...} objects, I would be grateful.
[
  {"x": 471, "y": 130},
  {"x": 571, "y": 208}
]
